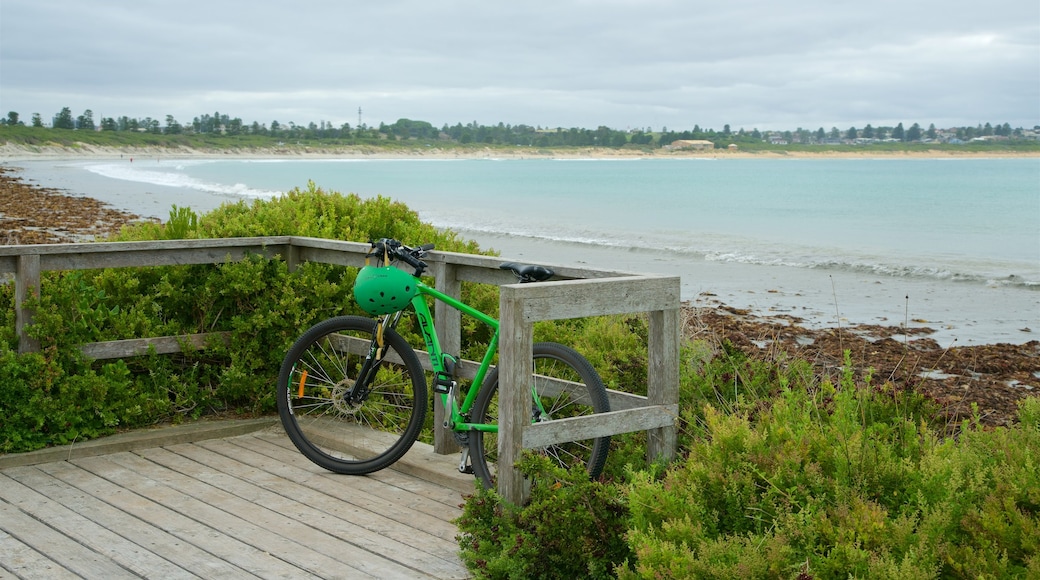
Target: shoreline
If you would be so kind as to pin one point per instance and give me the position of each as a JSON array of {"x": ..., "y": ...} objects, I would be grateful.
[
  {"x": 12, "y": 153},
  {"x": 990, "y": 377},
  {"x": 955, "y": 314}
]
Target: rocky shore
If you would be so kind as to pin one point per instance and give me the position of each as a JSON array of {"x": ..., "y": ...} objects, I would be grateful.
[
  {"x": 35, "y": 215},
  {"x": 992, "y": 378}
]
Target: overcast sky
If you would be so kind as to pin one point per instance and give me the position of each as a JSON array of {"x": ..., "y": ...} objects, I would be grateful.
[{"x": 762, "y": 64}]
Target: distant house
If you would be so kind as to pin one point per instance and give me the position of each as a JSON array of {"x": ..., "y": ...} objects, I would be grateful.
[{"x": 696, "y": 144}]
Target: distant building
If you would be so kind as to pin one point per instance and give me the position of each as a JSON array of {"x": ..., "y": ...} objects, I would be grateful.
[{"x": 695, "y": 144}]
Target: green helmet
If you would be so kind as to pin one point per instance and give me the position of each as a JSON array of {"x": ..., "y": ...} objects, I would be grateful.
[{"x": 380, "y": 291}]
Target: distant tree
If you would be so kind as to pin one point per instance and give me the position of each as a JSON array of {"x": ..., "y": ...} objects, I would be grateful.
[
  {"x": 880, "y": 133},
  {"x": 725, "y": 130},
  {"x": 898, "y": 132},
  {"x": 851, "y": 134},
  {"x": 233, "y": 126},
  {"x": 409, "y": 129},
  {"x": 835, "y": 133},
  {"x": 821, "y": 134},
  {"x": 86, "y": 121},
  {"x": 37, "y": 120},
  {"x": 108, "y": 124},
  {"x": 987, "y": 130},
  {"x": 868, "y": 132},
  {"x": 64, "y": 119},
  {"x": 931, "y": 132},
  {"x": 914, "y": 133},
  {"x": 12, "y": 119},
  {"x": 172, "y": 126},
  {"x": 151, "y": 125}
]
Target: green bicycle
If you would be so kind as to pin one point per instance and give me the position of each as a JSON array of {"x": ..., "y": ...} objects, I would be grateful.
[{"x": 352, "y": 391}]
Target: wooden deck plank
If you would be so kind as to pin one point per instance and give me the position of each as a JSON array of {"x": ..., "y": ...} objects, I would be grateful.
[
  {"x": 357, "y": 535},
  {"x": 25, "y": 562},
  {"x": 133, "y": 529},
  {"x": 353, "y": 498},
  {"x": 48, "y": 511},
  {"x": 220, "y": 545},
  {"x": 386, "y": 485},
  {"x": 253, "y": 524},
  {"x": 246, "y": 506},
  {"x": 76, "y": 557},
  {"x": 414, "y": 467},
  {"x": 376, "y": 512}
]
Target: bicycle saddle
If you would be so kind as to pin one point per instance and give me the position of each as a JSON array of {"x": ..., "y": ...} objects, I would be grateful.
[{"x": 528, "y": 272}]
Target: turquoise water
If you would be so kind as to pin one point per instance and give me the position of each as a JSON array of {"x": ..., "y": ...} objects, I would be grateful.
[
  {"x": 951, "y": 244},
  {"x": 962, "y": 219}
]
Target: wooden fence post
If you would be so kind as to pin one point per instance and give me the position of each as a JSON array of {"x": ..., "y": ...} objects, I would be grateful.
[
  {"x": 449, "y": 332},
  {"x": 663, "y": 379},
  {"x": 516, "y": 353},
  {"x": 26, "y": 280}
]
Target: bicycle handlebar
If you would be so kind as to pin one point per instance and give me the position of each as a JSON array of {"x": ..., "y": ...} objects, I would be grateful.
[{"x": 396, "y": 250}]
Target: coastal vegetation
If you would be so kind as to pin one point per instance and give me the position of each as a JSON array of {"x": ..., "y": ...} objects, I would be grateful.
[
  {"x": 222, "y": 132},
  {"x": 784, "y": 469}
]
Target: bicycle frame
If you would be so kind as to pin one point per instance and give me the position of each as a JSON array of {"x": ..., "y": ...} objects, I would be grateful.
[{"x": 457, "y": 410}]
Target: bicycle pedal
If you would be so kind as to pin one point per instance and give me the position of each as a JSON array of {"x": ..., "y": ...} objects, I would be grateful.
[{"x": 468, "y": 470}]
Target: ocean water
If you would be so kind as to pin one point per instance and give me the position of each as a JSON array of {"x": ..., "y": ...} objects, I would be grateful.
[{"x": 952, "y": 244}]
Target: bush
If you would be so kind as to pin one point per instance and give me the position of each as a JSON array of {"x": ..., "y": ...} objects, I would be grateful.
[
  {"x": 784, "y": 476},
  {"x": 57, "y": 396},
  {"x": 839, "y": 486},
  {"x": 571, "y": 528}
]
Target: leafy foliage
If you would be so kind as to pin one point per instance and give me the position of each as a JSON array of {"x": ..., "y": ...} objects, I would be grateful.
[
  {"x": 571, "y": 528},
  {"x": 783, "y": 475},
  {"x": 57, "y": 395},
  {"x": 823, "y": 490}
]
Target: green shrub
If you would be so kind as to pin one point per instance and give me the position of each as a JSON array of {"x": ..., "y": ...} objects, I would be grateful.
[
  {"x": 782, "y": 476},
  {"x": 570, "y": 528},
  {"x": 57, "y": 396},
  {"x": 841, "y": 486}
]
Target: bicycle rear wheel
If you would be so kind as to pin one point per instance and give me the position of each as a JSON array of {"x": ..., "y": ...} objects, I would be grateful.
[
  {"x": 321, "y": 415},
  {"x": 564, "y": 384}
]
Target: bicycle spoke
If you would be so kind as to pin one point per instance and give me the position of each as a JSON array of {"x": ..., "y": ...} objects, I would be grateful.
[
  {"x": 564, "y": 385},
  {"x": 321, "y": 412}
]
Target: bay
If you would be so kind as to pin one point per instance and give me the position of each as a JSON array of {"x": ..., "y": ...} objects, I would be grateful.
[{"x": 953, "y": 244}]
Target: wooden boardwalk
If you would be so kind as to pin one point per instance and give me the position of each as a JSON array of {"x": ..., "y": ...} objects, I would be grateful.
[{"x": 248, "y": 506}]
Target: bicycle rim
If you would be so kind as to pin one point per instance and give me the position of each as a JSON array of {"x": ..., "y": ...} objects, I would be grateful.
[
  {"x": 566, "y": 386},
  {"x": 314, "y": 387}
]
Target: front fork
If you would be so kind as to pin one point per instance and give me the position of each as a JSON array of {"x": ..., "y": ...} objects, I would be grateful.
[{"x": 376, "y": 351}]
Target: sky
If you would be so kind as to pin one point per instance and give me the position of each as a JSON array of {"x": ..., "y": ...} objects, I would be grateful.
[{"x": 623, "y": 64}]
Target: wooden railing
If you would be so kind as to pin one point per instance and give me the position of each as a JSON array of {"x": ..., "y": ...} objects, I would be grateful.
[{"x": 580, "y": 292}]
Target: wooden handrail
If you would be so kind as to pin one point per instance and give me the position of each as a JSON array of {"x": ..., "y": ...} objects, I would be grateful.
[{"x": 581, "y": 292}]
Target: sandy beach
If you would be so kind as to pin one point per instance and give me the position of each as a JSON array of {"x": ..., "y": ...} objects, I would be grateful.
[
  {"x": 992, "y": 377},
  {"x": 12, "y": 152}
]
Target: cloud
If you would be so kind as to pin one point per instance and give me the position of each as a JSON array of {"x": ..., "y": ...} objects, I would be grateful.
[{"x": 563, "y": 63}]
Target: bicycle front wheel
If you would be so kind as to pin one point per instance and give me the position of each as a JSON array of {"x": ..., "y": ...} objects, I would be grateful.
[
  {"x": 563, "y": 385},
  {"x": 325, "y": 416}
]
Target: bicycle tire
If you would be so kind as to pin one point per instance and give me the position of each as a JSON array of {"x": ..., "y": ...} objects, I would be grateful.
[
  {"x": 560, "y": 362},
  {"x": 319, "y": 369}
]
